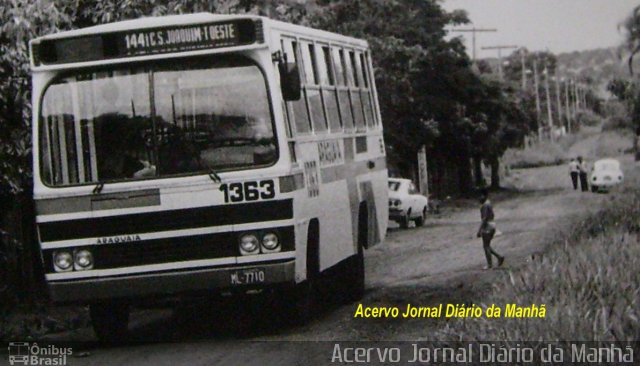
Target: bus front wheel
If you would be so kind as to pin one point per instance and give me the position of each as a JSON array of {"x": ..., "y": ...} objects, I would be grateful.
[
  {"x": 304, "y": 294},
  {"x": 110, "y": 321}
]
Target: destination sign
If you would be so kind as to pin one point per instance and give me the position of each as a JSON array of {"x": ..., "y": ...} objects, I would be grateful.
[
  {"x": 149, "y": 41},
  {"x": 184, "y": 38}
]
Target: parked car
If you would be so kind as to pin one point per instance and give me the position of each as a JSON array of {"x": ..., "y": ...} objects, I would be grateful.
[
  {"x": 406, "y": 203},
  {"x": 605, "y": 174}
]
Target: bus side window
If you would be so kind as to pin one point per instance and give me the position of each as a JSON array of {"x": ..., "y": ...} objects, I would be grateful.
[
  {"x": 329, "y": 92},
  {"x": 344, "y": 99},
  {"x": 313, "y": 89},
  {"x": 296, "y": 111},
  {"x": 368, "y": 75},
  {"x": 356, "y": 99},
  {"x": 308, "y": 59},
  {"x": 365, "y": 92},
  {"x": 339, "y": 69}
]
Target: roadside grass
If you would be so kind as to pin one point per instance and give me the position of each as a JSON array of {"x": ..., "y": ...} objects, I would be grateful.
[
  {"x": 541, "y": 154},
  {"x": 590, "y": 144},
  {"x": 588, "y": 280},
  {"x": 545, "y": 153},
  {"x": 613, "y": 143}
]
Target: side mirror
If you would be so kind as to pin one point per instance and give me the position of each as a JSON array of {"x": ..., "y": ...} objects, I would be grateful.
[{"x": 290, "y": 81}]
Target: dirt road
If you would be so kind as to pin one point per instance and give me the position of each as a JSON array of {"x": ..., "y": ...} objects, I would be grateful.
[{"x": 438, "y": 263}]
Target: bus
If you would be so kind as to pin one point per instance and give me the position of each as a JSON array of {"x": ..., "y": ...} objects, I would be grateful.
[{"x": 204, "y": 154}]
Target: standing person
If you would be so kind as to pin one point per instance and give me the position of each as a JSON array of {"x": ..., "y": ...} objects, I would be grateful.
[
  {"x": 584, "y": 183},
  {"x": 574, "y": 172},
  {"x": 487, "y": 229}
]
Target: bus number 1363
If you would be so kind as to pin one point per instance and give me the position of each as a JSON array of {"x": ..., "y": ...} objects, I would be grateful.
[{"x": 248, "y": 191}]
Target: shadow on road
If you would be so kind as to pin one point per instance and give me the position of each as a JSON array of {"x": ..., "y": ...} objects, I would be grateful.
[{"x": 240, "y": 317}]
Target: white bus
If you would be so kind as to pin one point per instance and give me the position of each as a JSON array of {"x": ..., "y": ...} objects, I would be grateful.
[{"x": 203, "y": 153}]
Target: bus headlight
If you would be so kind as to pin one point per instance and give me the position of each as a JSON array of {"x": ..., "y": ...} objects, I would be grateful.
[
  {"x": 83, "y": 259},
  {"x": 62, "y": 261},
  {"x": 249, "y": 244},
  {"x": 270, "y": 242}
]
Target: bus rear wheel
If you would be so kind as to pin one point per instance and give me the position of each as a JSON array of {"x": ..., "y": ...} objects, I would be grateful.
[
  {"x": 354, "y": 277},
  {"x": 110, "y": 321}
]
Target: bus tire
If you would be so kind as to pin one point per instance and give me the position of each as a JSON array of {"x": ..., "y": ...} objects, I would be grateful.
[
  {"x": 110, "y": 321},
  {"x": 354, "y": 278},
  {"x": 353, "y": 268},
  {"x": 420, "y": 219},
  {"x": 304, "y": 293}
]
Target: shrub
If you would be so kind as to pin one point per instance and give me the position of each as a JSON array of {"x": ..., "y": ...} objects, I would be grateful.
[
  {"x": 542, "y": 154},
  {"x": 588, "y": 118},
  {"x": 617, "y": 123}
]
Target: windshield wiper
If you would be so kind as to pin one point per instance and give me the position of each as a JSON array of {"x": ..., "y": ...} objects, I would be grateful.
[
  {"x": 98, "y": 188},
  {"x": 214, "y": 176}
]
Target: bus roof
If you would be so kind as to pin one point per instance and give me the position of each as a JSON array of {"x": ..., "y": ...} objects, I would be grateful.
[{"x": 185, "y": 19}]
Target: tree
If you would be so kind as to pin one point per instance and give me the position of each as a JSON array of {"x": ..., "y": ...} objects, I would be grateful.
[
  {"x": 421, "y": 77},
  {"x": 631, "y": 26}
]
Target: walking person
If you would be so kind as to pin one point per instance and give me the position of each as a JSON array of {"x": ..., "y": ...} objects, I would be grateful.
[
  {"x": 574, "y": 172},
  {"x": 487, "y": 229},
  {"x": 582, "y": 166}
]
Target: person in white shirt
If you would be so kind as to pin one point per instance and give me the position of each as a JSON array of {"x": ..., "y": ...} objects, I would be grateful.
[{"x": 574, "y": 172}]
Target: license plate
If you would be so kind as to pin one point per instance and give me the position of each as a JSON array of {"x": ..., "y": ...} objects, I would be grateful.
[{"x": 248, "y": 276}]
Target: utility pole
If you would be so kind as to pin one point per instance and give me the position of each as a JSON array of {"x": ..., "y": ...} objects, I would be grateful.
[
  {"x": 558, "y": 100},
  {"x": 473, "y": 32},
  {"x": 499, "y": 48},
  {"x": 524, "y": 68},
  {"x": 567, "y": 105},
  {"x": 536, "y": 87},
  {"x": 576, "y": 96},
  {"x": 546, "y": 88}
]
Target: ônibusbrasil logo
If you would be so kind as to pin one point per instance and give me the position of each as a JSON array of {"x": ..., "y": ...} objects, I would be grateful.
[{"x": 32, "y": 354}]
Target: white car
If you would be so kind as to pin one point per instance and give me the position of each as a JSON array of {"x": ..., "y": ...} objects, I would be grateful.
[
  {"x": 605, "y": 174},
  {"x": 406, "y": 203}
]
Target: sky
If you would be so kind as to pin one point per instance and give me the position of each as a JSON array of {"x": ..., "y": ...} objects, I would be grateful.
[{"x": 557, "y": 25}]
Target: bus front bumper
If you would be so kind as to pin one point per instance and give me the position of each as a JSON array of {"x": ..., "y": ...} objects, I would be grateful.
[{"x": 171, "y": 284}]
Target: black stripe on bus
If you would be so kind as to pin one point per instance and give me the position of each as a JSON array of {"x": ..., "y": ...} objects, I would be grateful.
[
  {"x": 149, "y": 222},
  {"x": 168, "y": 250}
]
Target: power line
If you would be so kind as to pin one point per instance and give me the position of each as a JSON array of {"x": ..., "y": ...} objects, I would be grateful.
[
  {"x": 500, "y": 48},
  {"x": 473, "y": 32}
]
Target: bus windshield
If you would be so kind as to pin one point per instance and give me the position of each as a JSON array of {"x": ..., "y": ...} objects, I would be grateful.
[{"x": 171, "y": 118}]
